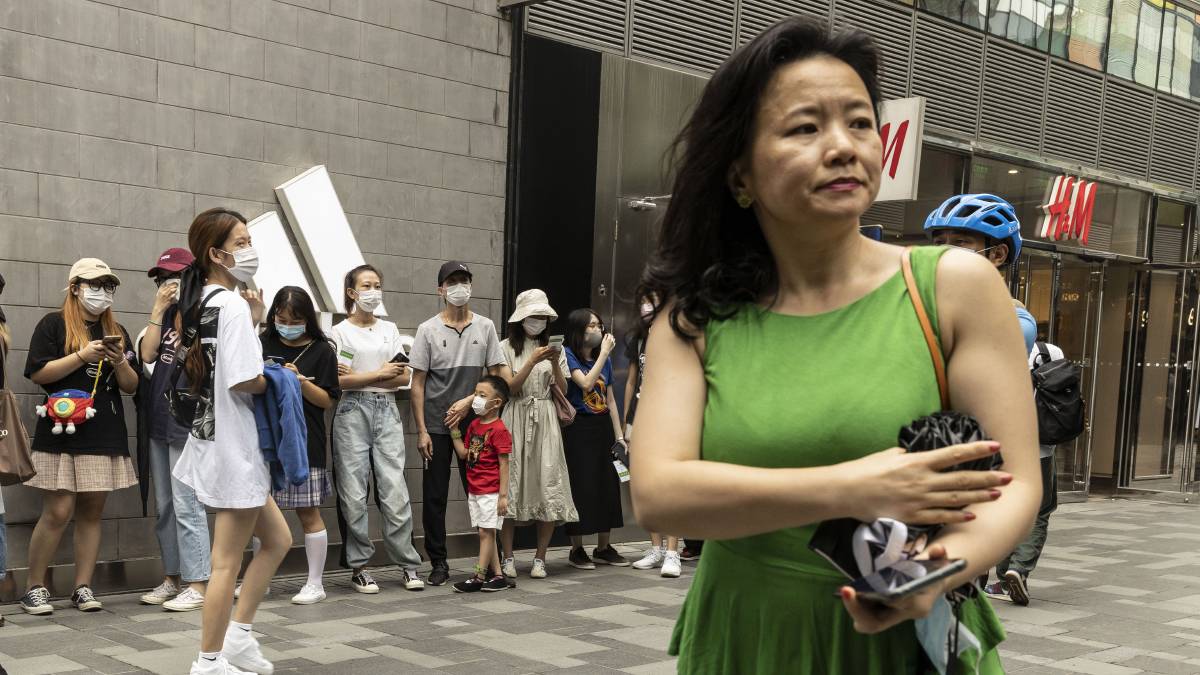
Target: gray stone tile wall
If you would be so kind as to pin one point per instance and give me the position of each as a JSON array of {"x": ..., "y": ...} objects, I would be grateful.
[{"x": 122, "y": 119}]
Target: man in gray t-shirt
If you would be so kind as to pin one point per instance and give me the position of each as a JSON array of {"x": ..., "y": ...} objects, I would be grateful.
[{"x": 451, "y": 352}]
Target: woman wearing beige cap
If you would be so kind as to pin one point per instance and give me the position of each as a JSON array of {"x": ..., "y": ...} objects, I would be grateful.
[
  {"x": 79, "y": 347},
  {"x": 538, "y": 487}
]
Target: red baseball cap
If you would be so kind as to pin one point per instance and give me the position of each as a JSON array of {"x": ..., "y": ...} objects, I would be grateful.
[{"x": 172, "y": 260}]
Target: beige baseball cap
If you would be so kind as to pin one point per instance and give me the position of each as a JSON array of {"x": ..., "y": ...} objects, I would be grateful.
[{"x": 90, "y": 269}]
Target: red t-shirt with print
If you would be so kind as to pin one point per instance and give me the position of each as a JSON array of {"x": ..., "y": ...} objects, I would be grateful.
[{"x": 485, "y": 443}]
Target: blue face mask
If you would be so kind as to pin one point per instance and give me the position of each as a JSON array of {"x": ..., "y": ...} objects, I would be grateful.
[{"x": 289, "y": 332}]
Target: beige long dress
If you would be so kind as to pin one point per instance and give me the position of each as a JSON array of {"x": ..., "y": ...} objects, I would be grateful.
[{"x": 538, "y": 485}]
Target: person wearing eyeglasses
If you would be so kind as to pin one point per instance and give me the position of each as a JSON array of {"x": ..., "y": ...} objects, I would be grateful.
[
  {"x": 590, "y": 439},
  {"x": 81, "y": 347},
  {"x": 182, "y": 524}
]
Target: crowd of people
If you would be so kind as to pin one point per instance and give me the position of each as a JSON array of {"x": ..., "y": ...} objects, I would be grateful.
[{"x": 760, "y": 254}]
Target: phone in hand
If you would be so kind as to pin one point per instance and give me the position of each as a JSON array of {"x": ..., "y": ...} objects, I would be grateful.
[
  {"x": 111, "y": 339},
  {"x": 399, "y": 358},
  {"x": 938, "y": 571},
  {"x": 872, "y": 231},
  {"x": 556, "y": 342}
]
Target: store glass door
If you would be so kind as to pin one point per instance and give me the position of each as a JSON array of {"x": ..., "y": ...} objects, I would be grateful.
[
  {"x": 1065, "y": 295},
  {"x": 1158, "y": 456}
]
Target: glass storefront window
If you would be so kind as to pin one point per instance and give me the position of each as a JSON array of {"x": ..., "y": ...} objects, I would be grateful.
[
  {"x": 1179, "y": 63},
  {"x": 1133, "y": 46},
  {"x": 1080, "y": 31},
  {"x": 1025, "y": 22},
  {"x": 972, "y": 13},
  {"x": 1118, "y": 214}
]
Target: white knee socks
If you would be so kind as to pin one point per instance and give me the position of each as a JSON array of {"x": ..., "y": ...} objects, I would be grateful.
[{"x": 315, "y": 547}]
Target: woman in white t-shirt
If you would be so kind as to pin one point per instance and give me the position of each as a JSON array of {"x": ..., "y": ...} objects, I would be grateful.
[
  {"x": 368, "y": 435},
  {"x": 222, "y": 461}
]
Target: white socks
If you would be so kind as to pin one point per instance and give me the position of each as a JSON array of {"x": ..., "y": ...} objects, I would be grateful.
[
  {"x": 209, "y": 657},
  {"x": 238, "y": 632},
  {"x": 255, "y": 545},
  {"x": 315, "y": 547}
]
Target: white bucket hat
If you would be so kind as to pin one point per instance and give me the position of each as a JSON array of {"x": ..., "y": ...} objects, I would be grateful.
[{"x": 532, "y": 302}]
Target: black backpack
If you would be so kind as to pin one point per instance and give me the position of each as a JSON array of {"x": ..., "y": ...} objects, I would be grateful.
[
  {"x": 1057, "y": 391},
  {"x": 181, "y": 401}
]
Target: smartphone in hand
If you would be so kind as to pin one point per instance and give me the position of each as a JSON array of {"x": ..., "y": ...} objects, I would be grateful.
[
  {"x": 556, "y": 342},
  {"x": 937, "y": 571},
  {"x": 111, "y": 339}
]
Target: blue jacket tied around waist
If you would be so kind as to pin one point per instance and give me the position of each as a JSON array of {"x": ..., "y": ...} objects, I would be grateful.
[{"x": 282, "y": 431}]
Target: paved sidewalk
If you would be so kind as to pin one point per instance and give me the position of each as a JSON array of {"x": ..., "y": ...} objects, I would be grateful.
[{"x": 1117, "y": 593}]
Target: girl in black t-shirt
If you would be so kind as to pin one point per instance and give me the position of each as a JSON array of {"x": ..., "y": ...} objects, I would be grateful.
[
  {"x": 293, "y": 338},
  {"x": 77, "y": 470}
]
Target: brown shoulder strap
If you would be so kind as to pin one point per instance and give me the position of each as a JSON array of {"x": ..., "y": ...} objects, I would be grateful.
[{"x": 935, "y": 352}]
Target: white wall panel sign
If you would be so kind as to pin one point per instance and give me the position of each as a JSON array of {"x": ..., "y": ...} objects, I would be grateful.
[
  {"x": 278, "y": 265},
  {"x": 902, "y": 127},
  {"x": 323, "y": 233}
]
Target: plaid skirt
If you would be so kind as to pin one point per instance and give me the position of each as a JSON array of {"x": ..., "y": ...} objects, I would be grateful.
[
  {"x": 81, "y": 473},
  {"x": 310, "y": 493}
]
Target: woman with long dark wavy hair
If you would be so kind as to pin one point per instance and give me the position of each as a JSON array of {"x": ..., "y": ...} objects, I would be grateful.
[
  {"x": 786, "y": 355},
  {"x": 222, "y": 461}
]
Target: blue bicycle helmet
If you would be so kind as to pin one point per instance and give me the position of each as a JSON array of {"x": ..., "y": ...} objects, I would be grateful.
[{"x": 986, "y": 214}]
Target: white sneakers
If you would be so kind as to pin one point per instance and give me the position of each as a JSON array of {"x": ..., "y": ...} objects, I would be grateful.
[
  {"x": 220, "y": 666},
  {"x": 309, "y": 595},
  {"x": 412, "y": 581},
  {"x": 186, "y": 601},
  {"x": 162, "y": 593},
  {"x": 539, "y": 569},
  {"x": 509, "y": 568},
  {"x": 237, "y": 592},
  {"x": 653, "y": 558},
  {"x": 241, "y": 650},
  {"x": 672, "y": 567}
]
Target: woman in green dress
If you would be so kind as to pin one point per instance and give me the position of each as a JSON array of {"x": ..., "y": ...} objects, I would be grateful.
[{"x": 786, "y": 356}]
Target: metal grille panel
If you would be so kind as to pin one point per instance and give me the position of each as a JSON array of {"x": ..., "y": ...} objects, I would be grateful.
[
  {"x": 696, "y": 34},
  {"x": 1168, "y": 244},
  {"x": 1073, "y": 114},
  {"x": 1125, "y": 136},
  {"x": 1174, "y": 158},
  {"x": 1011, "y": 106},
  {"x": 1100, "y": 236},
  {"x": 594, "y": 23},
  {"x": 888, "y": 214},
  {"x": 947, "y": 67},
  {"x": 755, "y": 16},
  {"x": 891, "y": 28}
]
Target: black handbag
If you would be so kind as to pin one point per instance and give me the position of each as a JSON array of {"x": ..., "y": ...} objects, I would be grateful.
[{"x": 181, "y": 400}]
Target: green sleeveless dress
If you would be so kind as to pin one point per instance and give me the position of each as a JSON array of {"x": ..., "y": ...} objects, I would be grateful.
[{"x": 798, "y": 391}]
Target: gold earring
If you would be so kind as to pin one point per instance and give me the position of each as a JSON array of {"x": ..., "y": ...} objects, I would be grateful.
[{"x": 744, "y": 200}]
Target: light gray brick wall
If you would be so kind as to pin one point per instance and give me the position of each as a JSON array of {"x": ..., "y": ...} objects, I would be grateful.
[{"x": 122, "y": 119}]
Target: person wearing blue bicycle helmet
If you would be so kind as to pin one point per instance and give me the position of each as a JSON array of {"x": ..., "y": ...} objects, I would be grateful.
[{"x": 987, "y": 225}]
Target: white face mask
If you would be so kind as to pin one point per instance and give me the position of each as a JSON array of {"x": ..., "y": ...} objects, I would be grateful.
[
  {"x": 459, "y": 294},
  {"x": 534, "y": 327},
  {"x": 245, "y": 264},
  {"x": 95, "y": 300},
  {"x": 479, "y": 405},
  {"x": 369, "y": 301}
]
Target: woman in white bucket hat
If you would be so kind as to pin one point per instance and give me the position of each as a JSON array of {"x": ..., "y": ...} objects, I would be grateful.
[{"x": 539, "y": 489}]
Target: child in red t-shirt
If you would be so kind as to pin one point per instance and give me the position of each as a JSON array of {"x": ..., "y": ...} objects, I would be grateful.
[{"x": 488, "y": 445}]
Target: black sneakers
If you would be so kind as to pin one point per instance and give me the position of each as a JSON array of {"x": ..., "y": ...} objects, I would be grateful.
[
  {"x": 472, "y": 585},
  {"x": 84, "y": 600},
  {"x": 37, "y": 601},
  {"x": 1014, "y": 582},
  {"x": 496, "y": 583},
  {"x": 363, "y": 582},
  {"x": 440, "y": 575},
  {"x": 609, "y": 556},
  {"x": 579, "y": 559}
]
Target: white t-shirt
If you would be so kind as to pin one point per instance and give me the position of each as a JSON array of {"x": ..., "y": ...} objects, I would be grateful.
[
  {"x": 371, "y": 347},
  {"x": 228, "y": 471}
]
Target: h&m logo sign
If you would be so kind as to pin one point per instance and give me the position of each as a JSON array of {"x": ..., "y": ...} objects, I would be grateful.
[{"x": 1067, "y": 213}]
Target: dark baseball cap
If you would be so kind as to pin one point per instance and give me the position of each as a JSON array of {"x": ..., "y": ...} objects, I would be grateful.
[
  {"x": 453, "y": 267},
  {"x": 172, "y": 260}
]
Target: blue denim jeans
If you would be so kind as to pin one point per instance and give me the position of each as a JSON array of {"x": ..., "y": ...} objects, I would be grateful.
[
  {"x": 182, "y": 527},
  {"x": 3, "y": 547},
  {"x": 368, "y": 436}
]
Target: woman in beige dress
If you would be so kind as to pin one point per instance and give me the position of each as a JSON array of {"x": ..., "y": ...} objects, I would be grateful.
[{"x": 538, "y": 488}]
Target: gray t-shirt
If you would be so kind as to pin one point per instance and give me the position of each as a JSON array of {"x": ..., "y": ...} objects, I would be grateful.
[{"x": 453, "y": 363}]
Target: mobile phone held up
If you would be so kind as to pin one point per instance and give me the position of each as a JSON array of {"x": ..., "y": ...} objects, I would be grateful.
[
  {"x": 111, "y": 339},
  {"x": 900, "y": 586},
  {"x": 872, "y": 231},
  {"x": 556, "y": 342}
]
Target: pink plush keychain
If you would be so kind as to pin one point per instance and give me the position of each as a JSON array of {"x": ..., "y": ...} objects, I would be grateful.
[{"x": 70, "y": 406}]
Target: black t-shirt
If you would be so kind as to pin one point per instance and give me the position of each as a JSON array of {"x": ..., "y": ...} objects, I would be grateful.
[
  {"x": 635, "y": 351},
  {"x": 105, "y": 433},
  {"x": 163, "y": 426},
  {"x": 320, "y": 363}
]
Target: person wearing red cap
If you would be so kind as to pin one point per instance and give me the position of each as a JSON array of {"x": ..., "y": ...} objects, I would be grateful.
[{"x": 182, "y": 525}]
